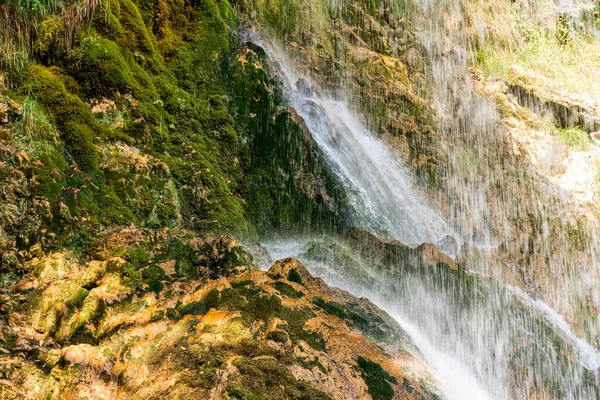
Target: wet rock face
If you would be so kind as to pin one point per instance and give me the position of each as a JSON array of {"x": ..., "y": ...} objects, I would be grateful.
[
  {"x": 567, "y": 110},
  {"x": 293, "y": 188},
  {"x": 173, "y": 315},
  {"x": 366, "y": 50}
]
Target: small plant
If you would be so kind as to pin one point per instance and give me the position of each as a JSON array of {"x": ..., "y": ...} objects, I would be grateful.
[
  {"x": 564, "y": 31},
  {"x": 573, "y": 137}
]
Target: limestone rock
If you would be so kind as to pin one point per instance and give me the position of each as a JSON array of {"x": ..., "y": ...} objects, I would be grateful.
[{"x": 199, "y": 337}]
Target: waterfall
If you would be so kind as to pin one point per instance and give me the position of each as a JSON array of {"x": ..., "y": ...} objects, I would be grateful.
[
  {"x": 381, "y": 192},
  {"x": 480, "y": 340},
  {"x": 500, "y": 199},
  {"x": 480, "y": 335}
]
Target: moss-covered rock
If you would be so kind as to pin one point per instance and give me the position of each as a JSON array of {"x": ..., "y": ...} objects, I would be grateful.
[{"x": 130, "y": 317}]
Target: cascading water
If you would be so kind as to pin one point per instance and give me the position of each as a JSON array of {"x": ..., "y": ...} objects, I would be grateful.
[
  {"x": 496, "y": 198},
  {"x": 383, "y": 197},
  {"x": 481, "y": 337}
]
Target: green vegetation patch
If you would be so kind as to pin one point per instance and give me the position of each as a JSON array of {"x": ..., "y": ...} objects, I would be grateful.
[
  {"x": 332, "y": 308},
  {"x": 71, "y": 115},
  {"x": 278, "y": 336},
  {"x": 287, "y": 290},
  {"x": 357, "y": 317},
  {"x": 574, "y": 137},
  {"x": 294, "y": 276},
  {"x": 8, "y": 341},
  {"x": 267, "y": 379},
  {"x": 377, "y": 379}
]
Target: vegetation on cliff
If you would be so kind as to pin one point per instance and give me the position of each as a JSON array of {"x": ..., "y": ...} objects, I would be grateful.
[{"x": 147, "y": 113}]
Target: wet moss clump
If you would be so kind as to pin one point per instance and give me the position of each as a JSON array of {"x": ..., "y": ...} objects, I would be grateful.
[
  {"x": 131, "y": 276},
  {"x": 377, "y": 379},
  {"x": 357, "y": 317},
  {"x": 266, "y": 378},
  {"x": 211, "y": 300},
  {"x": 331, "y": 307},
  {"x": 287, "y": 290},
  {"x": 294, "y": 276},
  {"x": 102, "y": 68},
  {"x": 138, "y": 256},
  {"x": 71, "y": 115},
  {"x": 278, "y": 336},
  {"x": 268, "y": 307},
  {"x": 154, "y": 277}
]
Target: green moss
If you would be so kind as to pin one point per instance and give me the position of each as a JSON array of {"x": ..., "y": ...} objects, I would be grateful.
[
  {"x": 278, "y": 336},
  {"x": 377, "y": 379},
  {"x": 287, "y": 290},
  {"x": 131, "y": 276},
  {"x": 102, "y": 69},
  {"x": 157, "y": 315},
  {"x": 269, "y": 307},
  {"x": 154, "y": 276},
  {"x": 183, "y": 253},
  {"x": 332, "y": 308},
  {"x": 233, "y": 258},
  {"x": 284, "y": 192},
  {"x": 211, "y": 300},
  {"x": 172, "y": 314},
  {"x": 89, "y": 315},
  {"x": 294, "y": 276},
  {"x": 269, "y": 379},
  {"x": 138, "y": 256},
  {"x": 71, "y": 115},
  {"x": 357, "y": 317},
  {"x": 9, "y": 342},
  {"x": 113, "y": 210},
  {"x": 124, "y": 24}
]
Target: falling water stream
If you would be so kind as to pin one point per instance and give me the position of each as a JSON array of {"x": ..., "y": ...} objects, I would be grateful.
[
  {"x": 383, "y": 197},
  {"x": 483, "y": 339}
]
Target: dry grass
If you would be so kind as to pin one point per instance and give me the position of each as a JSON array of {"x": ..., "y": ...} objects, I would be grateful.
[
  {"x": 546, "y": 40},
  {"x": 29, "y": 27}
]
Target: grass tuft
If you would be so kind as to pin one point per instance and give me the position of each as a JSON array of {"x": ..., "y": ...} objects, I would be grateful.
[{"x": 30, "y": 27}]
